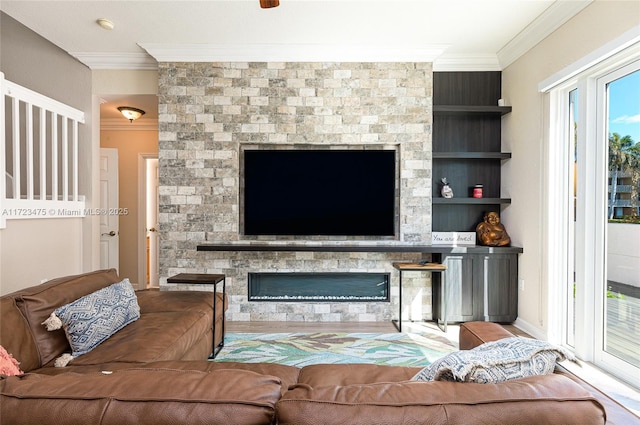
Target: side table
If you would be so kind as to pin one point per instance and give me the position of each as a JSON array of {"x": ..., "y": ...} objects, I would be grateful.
[
  {"x": 422, "y": 267},
  {"x": 207, "y": 279}
]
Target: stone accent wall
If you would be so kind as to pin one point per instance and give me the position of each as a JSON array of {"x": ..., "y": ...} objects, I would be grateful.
[{"x": 209, "y": 112}]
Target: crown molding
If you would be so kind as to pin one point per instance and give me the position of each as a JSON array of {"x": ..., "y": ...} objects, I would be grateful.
[
  {"x": 120, "y": 124},
  {"x": 449, "y": 63},
  {"x": 547, "y": 22},
  {"x": 135, "y": 61},
  {"x": 291, "y": 53}
]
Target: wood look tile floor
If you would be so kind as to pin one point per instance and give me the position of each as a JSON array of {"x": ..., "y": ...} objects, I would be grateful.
[{"x": 352, "y": 327}]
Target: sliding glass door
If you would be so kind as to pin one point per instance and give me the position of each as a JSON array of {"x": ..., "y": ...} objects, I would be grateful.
[
  {"x": 594, "y": 164},
  {"x": 619, "y": 288}
]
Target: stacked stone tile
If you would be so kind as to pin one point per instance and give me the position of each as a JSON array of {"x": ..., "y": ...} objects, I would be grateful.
[{"x": 209, "y": 112}]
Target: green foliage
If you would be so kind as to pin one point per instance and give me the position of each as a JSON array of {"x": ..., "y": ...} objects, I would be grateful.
[
  {"x": 628, "y": 219},
  {"x": 611, "y": 294},
  {"x": 624, "y": 153},
  {"x": 624, "y": 156}
]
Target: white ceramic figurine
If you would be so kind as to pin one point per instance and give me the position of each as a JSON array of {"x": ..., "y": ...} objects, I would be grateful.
[{"x": 446, "y": 191}]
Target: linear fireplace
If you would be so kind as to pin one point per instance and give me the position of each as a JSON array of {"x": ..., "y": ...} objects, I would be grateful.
[{"x": 325, "y": 287}]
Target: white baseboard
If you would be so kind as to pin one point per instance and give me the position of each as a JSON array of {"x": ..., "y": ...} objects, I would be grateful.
[{"x": 535, "y": 332}]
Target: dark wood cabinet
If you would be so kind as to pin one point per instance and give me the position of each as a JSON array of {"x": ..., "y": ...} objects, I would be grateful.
[
  {"x": 479, "y": 287},
  {"x": 500, "y": 286},
  {"x": 464, "y": 299}
]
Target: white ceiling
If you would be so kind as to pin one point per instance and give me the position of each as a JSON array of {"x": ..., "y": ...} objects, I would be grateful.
[
  {"x": 460, "y": 34},
  {"x": 455, "y": 34}
]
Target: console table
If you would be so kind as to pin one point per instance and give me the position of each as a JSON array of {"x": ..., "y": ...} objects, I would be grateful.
[{"x": 207, "y": 279}]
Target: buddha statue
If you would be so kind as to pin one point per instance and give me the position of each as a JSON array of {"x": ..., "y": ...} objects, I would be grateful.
[{"x": 491, "y": 232}]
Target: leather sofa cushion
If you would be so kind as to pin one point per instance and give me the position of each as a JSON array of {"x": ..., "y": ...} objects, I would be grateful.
[
  {"x": 155, "y": 301},
  {"x": 288, "y": 375},
  {"x": 349, "y": 374},
  {"x": 38, "y": 302},
  {"x": 551, "y": 399},
  {"x": 141, "y": 397},
  {"x": 153, "y": 337}
]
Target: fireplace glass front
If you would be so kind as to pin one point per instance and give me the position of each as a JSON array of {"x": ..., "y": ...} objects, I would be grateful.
[{"x": 329, "y": 287}]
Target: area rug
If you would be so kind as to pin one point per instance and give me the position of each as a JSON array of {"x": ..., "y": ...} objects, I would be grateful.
[{"x": 303, "y": 348}]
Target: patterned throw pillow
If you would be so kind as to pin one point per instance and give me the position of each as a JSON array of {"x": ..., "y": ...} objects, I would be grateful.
[
  {"x": 92, "y": 319},
  {"x": 496, "y": 361}
]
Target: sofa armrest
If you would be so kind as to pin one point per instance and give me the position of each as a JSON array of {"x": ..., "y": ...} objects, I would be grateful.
[{"x": 473, "y": 334}]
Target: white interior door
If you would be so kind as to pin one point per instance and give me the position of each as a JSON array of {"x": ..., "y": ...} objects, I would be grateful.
[
  {"x": 109, "y": 226},
  {"x": 152, "y": 222}
]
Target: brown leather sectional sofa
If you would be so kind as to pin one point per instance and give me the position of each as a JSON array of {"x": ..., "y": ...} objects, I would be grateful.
[{"x": 154, "y": 371}]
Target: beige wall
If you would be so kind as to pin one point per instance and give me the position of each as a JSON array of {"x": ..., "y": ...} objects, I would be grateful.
[
  {"x": 130, "y": 145},
  {"x": 124, "y": 82},
  {"x": 525, "y": 133},
  {"x": 35, "y": 250},
  {"x": 32, "y": 250}
]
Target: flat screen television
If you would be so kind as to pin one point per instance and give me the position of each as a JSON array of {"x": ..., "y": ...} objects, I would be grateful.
[{"x": 320, "y": 192}]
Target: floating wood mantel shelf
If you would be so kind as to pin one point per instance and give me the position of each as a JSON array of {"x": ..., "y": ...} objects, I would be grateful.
[
  {"x": 470, "y": 109},
  {"x": 472, "y": 155},
  {"x": 426, "y": 249}
]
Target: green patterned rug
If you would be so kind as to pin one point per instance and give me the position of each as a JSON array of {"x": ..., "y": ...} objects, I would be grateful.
[{"x": 302, "y": 349}]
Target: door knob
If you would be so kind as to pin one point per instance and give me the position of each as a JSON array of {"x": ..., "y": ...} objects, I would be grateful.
[
  {"x": 111, "y": 233},
  {"x": 153, "y": 229}
]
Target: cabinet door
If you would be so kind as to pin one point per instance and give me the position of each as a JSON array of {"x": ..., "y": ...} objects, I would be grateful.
[
  {"x": 500, "y": 287},
  {"x": 464, "y": 296}
]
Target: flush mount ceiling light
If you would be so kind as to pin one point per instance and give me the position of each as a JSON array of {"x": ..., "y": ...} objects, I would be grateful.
[
  {"x": 266, "y": 4},
  {"x": 105, "y": 23},
  {"x": 130, "y": 112}
]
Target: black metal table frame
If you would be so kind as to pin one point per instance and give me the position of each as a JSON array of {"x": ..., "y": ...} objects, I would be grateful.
[
  {"x": 207, "y": 279},
  {"x": 427, "y": 267}
]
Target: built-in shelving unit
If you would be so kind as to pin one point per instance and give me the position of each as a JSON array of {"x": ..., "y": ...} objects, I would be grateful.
[
  {"x": 467, "y": 150},
  {"x": 467, "y": 147}
]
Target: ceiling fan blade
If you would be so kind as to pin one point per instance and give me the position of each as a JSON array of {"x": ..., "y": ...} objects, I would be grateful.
[{"x": 266, "y": 4}]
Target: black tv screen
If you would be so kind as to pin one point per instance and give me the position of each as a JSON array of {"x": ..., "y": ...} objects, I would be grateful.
[{"x": 319, "y": 192}]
